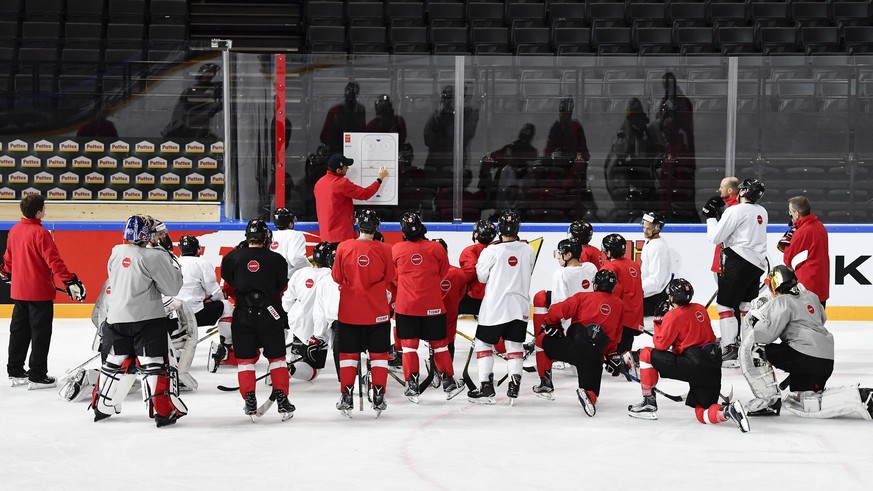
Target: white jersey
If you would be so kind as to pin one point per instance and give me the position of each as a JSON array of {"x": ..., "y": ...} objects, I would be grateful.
[
  {"x": 326, "y": 307},
  {"x": 656, "y": 264},
  {"x": 742, "y": 229},
  {"x": 301, "y": 292},
  {"x": 505, "y": 268},
  {"x": 291, "y": 244},
  {"x": 199, "y": 282},
  {"x": 571, "y": 280}
]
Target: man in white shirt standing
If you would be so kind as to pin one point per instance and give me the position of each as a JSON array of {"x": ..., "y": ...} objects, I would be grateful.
[
  {"x": 656, "y": 265},
  {"x": 505, "y": 268},
  {"x": 742, "y": 232}
]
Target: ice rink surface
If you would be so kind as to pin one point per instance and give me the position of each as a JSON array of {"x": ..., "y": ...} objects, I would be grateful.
[{"x": 48, "y": 443}]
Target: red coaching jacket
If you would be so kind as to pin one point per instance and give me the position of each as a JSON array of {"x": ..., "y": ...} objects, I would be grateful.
[
  {"x": 364, "y": 271},
  {"x": 333, "y": 205},
  {"x": 808, "y": 255},
  {"x": 421, "y": 265},
  {"x": 32, "y": 258}
]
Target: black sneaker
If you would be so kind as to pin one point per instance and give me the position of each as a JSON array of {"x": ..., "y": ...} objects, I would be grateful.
[{"x": 251, "y": 404}]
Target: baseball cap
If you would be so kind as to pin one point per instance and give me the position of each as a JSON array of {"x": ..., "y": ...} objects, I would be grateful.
[{"x": 336, "y": 161}]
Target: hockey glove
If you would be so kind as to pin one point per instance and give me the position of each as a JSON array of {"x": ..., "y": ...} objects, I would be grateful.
[
  {"x": 613, "y": 363},
  {"x": 662, "y": 308},
  {"x": 712, "y": 206},
  {"x": 553, "y": 330},
  {"x": 5, "y": 277},
  {"x": 316, "y": 351},
  {"x": 75, "y": 289},
  {"x": 785, "y": 241}
]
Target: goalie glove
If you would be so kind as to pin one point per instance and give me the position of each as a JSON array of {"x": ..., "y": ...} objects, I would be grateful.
[
  {"x": 75, "y": 289},
  {"x": 712, "y": 207},
  {"x": 785, "y": 241},
  {"x": 553, "y": 330}
]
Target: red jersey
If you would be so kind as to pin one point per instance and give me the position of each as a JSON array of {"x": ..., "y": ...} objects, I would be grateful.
[
  {"x": 716, "y": 261},
  {"x": 364, "y": 271},
  {"x": 421, "y": 265},
  {"x": 454, "y": 286},
  {"x": 469, "y": 258},
  {"x": 629, "y": 289},
  {"x": 684, "y": 327},
  {"x": 334, "y": 206},
  {"x": 591, "y": 308},
  {"x": 32, "y": 258},
  {"x": 808, "y": 255},
  {"x": 593, "y": 255}
]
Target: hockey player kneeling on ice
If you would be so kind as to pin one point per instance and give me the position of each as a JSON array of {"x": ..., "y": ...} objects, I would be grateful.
[
  {"x": 302, "y": 293},
  {"x": 257, "y": 277},
  {"x": 595, "y": 330},
  {"x": 794, "y": 316},
  {"x": 685, "y": 349},
  {"x": 201, "y": 292},
  {"x": 573, "y": 277},
  {"x": 505, "y": 268},
  {"x": 136, "y": 326}
]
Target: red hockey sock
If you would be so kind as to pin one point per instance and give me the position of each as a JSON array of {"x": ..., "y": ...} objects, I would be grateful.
[
  {"x": 246, "y": 375},
  {"x": 279, "y": 374},
  {"x": 162, "y": 403},
  {"x": 648, "y": 375},
  {"x": 348, "y": 363},
  {"x": 500, "y": 347},
  {"x": 441, "y": 357},
  {"x": 410, "y": 357},
  {"x": 379, "y": 368},
  {"x": 544, "y": 363},
  {"x": 592, "y": 396},
  {"x": 540, "y": 309},
  {"x": 714, "y": 414}
]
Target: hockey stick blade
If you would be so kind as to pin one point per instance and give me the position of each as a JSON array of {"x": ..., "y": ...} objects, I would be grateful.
[
  {"x": 429, "y": 378},
  {"x": 263, "y": 408},
  {"x": 225, "y": 388},
  {"x": 397, "y": 378},
  {"x": 466, "y": 373},
  {"x": 785, "y": 383}
]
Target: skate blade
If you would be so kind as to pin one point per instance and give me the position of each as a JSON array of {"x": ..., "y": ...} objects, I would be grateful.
[
  {"x": 512, "y": 401},
  {"x": 286, "y": 416},
  {"x": 452, "y": 394},
  {"x": 413, "y": 399},
  {"x": 254, "y": 417},
  {"x": 730, "y": 364},
  {"x": 481, "y": 400},
  {"x": 18, "y": 382},
  {"x": 559, "y": 365},
  {"x": 33, "y": 386},
  {"x": 378, "y": 412},
  {"x": 548, "y": 396},
  {"x": 645, "y": 416},
  {"x": 346, "y": 412}
]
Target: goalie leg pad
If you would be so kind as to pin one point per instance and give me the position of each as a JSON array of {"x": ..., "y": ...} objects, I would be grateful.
[
  {"x": 113, "y": 384},
  {"x": 759, "y": 374},
  {"x": 831, "y": 403},
  {"x": 161, "y": 387}
]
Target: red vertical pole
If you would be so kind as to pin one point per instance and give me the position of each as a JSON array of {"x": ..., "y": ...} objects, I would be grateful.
[{"x": 280, "y": 131}]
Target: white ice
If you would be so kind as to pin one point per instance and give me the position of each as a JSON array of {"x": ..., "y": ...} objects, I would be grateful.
[{"x": 48, "y": 443}]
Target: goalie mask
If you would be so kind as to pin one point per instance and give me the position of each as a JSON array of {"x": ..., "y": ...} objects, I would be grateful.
[
  {"x": 782, "y": 279},
  {"x": 139, "y": 229}
]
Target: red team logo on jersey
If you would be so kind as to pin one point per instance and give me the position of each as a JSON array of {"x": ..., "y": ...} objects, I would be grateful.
[
  {"x": 760, "y": 220},
  {"x": 253, "y": 266},
  {"x": 125, "y": 263},
  {"x": 108, "y": 289},
  {"x": 274, "y": 245},
  {"x": 585, "y": 284},
  {"x": 699, "y": 316},
  {"x": 445, "y": 285},
  {"x": 309, "y": 283},
  {"x": 415, "y": 259},
  {"x": 363, "y": 260},
  {"x": 605, "y": 309},
  {"x": 633, "y": 272},
  {"x": 810, "y": 309},
  {"x": 512, "y": 260}
]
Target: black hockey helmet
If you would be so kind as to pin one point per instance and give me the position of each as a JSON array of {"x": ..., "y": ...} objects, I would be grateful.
[
  {"x": 321, "y": 253},
  {"x": 782, "y": 279},
  {"x": 331, "y": 256},
  {"x": 582, "y": 230},
  {"x": 566, "y": 105},
  {"x": 605, "y": 281},
  {"x": 411, "y": 226},
  {"x": 442, "y": 243},
  {"x": 189, "y": 245},
  {"x": 284, "y": 218},
  {"x": 485, "y": 232},
  {"x": 680, "y": 291},
  {"x": 571, "y": 245},
  {"x": 751, "y": 189},
  {"x": 656, "y": 218},
  {"x": 378, "y": 236},
  {"x": 257, "y": 231},
  {"x": 368, "y": 221},
  {"x": 508, "y": 223},
  {"x": 383, "y": 104},
  {"x": 615, "y": 245}
]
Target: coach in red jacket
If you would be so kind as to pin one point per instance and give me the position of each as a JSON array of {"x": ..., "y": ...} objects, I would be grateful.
[
  {"x": 805, "y": 248},
  {"x": 30, "y": 263},
  {"x": 333, "y": 199}
]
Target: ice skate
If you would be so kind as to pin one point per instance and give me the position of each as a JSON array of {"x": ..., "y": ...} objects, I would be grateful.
[
  {"x": 587, "y": 402},
  {"x": 512, "y": 390},
  {"x": 378, "y": 403},
  {"x": 758, "y": 407},
  {"x": 286, "y": 409},
  {"x": 161, "y": 421},
  {"x": 729, "y": 357},
  {"x": 647, "y": 409},
  {"x": 217, "y": 354},
  {"x": 346, "y": 402},
  {"x": 46, "y": 382},
  {"x": 412, "y": 391},
  {"x": 545, "y": 389},
  {"x": 100, "y": 416},
  {"x": 484, "y": 394},
  {"x": 451, "y": 387},
  {"x": 18, "y": 379},
  {"x": 251, "y": 405},
  {"x": 735, "y": 412},
  {"x": 395, "y": 362}
]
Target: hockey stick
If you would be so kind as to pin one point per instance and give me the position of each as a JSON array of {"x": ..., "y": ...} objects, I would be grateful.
[
  {"x": 711, "y": 299},
  {"x": 398, "y": 379},
  {"x": 429, "y": 378},
  {"x": 360, "y": 383},
  {"x": 466, "y": 374},
  {"x": 526, "y": 369},
  {"x": 225, "y": 388},
  {"x": 72, "y": 371},
  {"x": 655, "y": 389},
  {"x": 785, "y": 383}
]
